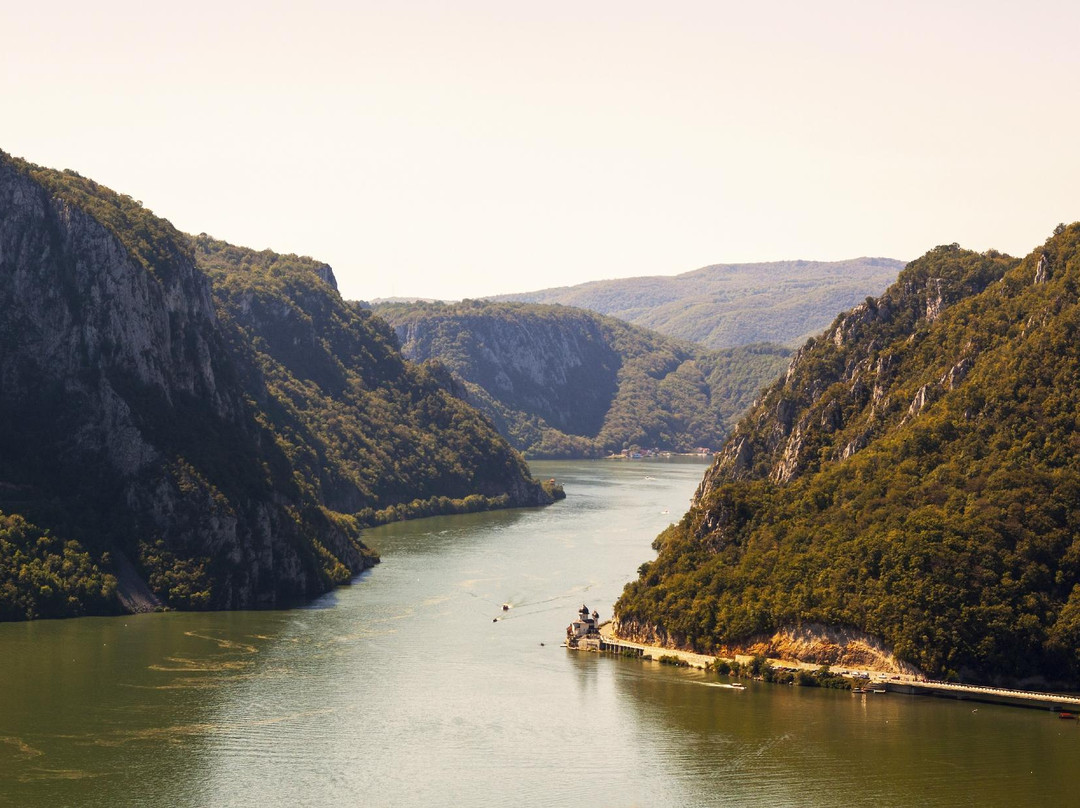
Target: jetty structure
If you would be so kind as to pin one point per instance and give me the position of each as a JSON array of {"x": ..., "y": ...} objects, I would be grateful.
[{"x": 584, "y": 634}]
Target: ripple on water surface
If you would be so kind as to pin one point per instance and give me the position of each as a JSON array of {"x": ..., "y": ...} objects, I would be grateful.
[{"x": 401, "y": 690}]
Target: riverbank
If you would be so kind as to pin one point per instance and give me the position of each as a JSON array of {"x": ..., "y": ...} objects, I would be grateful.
[
  {"x": 707, "y": 457},
  {"x": 261, "y": 708},
  {"x": 655, "y": 652},
  {"x": 607, "y": 632},
  {"x": 906, "y": 683}
]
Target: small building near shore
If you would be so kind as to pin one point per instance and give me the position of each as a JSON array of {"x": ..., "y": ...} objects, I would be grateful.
[{"x": 585, "y": 627}]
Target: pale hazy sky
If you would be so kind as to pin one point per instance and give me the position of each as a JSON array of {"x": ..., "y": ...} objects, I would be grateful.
[{"x": 450, "y": 149}]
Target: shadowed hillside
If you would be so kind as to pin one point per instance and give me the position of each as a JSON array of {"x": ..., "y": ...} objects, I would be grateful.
[
  {"x": 564, "y": 382},
  {"x": 173, "y": 439}
]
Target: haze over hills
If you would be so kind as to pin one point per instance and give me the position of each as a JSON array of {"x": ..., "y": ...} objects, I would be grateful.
[
  {"x": 727, "y": 305},
  {"x": 912, "y": 478},
  {"x": 189, "y": 424},
  {"x": 565, "y": 382}
]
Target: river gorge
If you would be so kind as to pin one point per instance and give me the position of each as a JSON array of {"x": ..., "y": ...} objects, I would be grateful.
[{"x": 413, "y": 686}]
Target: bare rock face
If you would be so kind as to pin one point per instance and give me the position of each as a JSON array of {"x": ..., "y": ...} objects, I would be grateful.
[
  {"x": 788, "y": 466},
  {"x": 839, "y": 389},
  {"x": 812, "y": 643},
  {"x": 326, "y": 273},
  {"x": 918, "y": 404},
  {"x": 825, "y": 645},
  {"x": 84, "y": 314},
  {"x": 121, "y": 400},
  {"x": 935, "y": 299},
  {"x": 1042, "y": 271},
  {"x": 566, "y": 376}
]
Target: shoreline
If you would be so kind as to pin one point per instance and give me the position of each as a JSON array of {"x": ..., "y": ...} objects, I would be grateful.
[
  {"x": 661, "y": 455},
  {"x": 1067, "y": 705},
  {"x": 703, "y": 661}
]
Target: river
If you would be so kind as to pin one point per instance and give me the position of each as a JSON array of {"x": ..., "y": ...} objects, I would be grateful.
[{"x": 414, "y": 687}]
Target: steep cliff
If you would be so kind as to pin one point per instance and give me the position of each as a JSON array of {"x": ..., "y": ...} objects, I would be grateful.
[
  {"x": 560, "y": 381},
  {"x": 851, "y": 384},
  {"x": 140, "y": 427},
  {"x": 913, "y": 477},
  {"x": 374, "y": 435}
]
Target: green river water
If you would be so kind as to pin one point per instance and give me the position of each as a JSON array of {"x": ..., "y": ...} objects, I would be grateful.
[{"x": 401, "y": 691}]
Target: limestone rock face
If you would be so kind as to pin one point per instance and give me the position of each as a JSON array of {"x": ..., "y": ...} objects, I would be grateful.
[
  {"x": 123, "y": 417},
  {"x": 1042, "y": 270},
  {"x": 813, "y": 643},
  {"x": 840, "y": 389},
  {"x": 211, "y": 426},
  {"x": 80, "y": 313},
  {"x": 566, "y": 375},
  {"x": 564, "y": 382}
]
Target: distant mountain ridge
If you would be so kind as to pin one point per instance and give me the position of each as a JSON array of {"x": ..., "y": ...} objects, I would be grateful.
[
  {"x": 728, "y": 305},
  {"x": 565, "y": 382},
  {"x": 913, "y": 476}
]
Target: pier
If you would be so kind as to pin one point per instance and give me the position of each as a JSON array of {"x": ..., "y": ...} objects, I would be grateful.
[
  {"x": 587, "y": 634},
  {"x": 597, "y": 643},
  {"x": 591, "y": 636}
]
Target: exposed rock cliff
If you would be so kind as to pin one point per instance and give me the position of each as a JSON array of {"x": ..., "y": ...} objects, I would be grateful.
[
  {"x": 563, "y": 370},
  {"x": 123, "y": 415},
  {"x": 813, "y": 643},
  {"x": 167, "y": 441},
  {"x": 560, "y": 381},
  {"x": 841, "y": 388}
]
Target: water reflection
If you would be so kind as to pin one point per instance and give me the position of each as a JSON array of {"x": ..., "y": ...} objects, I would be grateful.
[
  {"x": 414, "y": 687},
  {"x": 435, "y": 534},
  {"x": 105, "y": 703},
  {"x": 777, "y": 745}
]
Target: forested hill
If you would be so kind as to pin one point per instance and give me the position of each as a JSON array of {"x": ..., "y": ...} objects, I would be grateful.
[
  {"x": 913, "y": 476},
  {"x": 565, "y": 382},
  {"x": 165, "y": 441},
  {"x": 728, "y": 305},
  {"x": 375, "y": 435}
]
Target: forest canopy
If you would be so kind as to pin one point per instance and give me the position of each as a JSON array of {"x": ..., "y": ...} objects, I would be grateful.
[{"x": 915, "y": 476}]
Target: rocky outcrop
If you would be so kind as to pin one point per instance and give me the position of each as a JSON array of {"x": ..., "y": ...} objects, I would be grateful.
[
  {"x": 211, "y": 444},
  {"x": 563, "y": 371},
  {"x": 110, "y": 372},
  {"x": 812, "y": 643},
  {"x": 559, "y": 381},
  {"x": 824, "y": 645},
  {"x": 839, "y": 389},
  {"x": 1042, "y": 270}
]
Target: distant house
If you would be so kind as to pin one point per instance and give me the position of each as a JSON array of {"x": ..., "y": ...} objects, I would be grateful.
[{"x": 586, "y": 626}]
